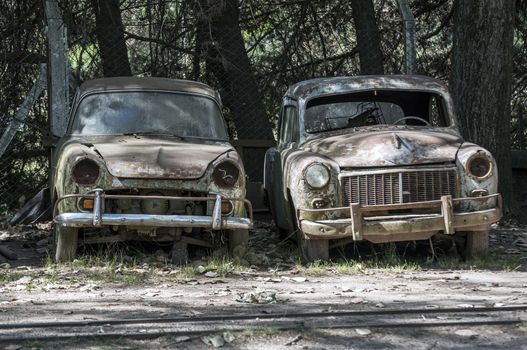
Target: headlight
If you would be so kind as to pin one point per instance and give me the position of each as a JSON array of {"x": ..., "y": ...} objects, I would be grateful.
[
  {"x": 316, "y": 175},
  {"x": 86, "y": 172},
  {"x": 226, "y": 174},
  {"x": 479, "y": 166}
]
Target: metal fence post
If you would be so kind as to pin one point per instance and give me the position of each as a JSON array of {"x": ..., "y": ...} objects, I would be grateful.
[
  {"x": 58, "y": 86},
  {"x": 409, "y": 36}
]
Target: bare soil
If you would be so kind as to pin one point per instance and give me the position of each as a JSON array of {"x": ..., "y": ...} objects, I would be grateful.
[{"x": 140, "y": 282}]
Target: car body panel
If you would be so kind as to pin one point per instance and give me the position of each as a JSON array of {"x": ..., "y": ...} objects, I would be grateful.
[{"x": 375, "y": 152}]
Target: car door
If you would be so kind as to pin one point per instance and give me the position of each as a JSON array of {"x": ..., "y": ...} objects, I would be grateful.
[{"x": 275, "y": 160}]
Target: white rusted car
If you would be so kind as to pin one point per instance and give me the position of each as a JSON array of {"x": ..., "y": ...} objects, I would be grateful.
[
  {"x": 378, "y": 158},
  {"x": 148, "y": 159}
]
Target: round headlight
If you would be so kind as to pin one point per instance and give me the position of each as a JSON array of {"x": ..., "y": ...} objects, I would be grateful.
[
  {"x": 317, "y": 175},
  {"x": 226, "y": 174},
  {"x": 86, "y": 172},
  {"x": 479, "y": 166}
]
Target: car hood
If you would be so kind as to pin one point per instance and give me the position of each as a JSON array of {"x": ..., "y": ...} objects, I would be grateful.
[
  {"x": 157, "y": 157},
  {"x": 387, "y": 148}
]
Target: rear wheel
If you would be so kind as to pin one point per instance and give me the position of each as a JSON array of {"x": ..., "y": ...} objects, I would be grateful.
[
  {"x": 475, "y": 243},
  {"x": 66, "y": 240}
]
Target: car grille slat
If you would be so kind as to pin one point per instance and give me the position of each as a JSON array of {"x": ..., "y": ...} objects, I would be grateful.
[{"x": 399, "y": 187}]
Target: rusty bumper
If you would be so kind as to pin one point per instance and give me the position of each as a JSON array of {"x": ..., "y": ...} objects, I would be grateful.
[
  {"x": 97, "y": 218},
  {"x": 361, "y": 222}
]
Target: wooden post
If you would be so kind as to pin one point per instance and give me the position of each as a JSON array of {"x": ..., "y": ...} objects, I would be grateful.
[{"x": 58, "y": 87}]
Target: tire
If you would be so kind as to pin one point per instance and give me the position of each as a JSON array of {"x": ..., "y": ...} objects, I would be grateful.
[
  {"x": 66, "y": 240},
  {"x": 476, "y": 243},
  {"x": 238, "y": 242},
  {"x": 313, "y": 249}
]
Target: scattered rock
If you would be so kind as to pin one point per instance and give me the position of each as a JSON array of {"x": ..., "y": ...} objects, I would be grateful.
[
  {"x": 228, "y": 337},
  {"x": 201, "y": 269},
  {"x": 466, "y": 333},
  {"x": 216, "y": 341},
  {"x": 357, "y": 301},
  {"x": 181, "y": 338},
  {"x": 362, "y": 331},
  {"x": 465, "y": 306},
  {"x": 211, "y": 274},
  {"x": 257, "y": 297},
  {"x": 379, "y": 305},
  {"x": 5, "y": 266},
  {"x": 298, "y": 279}
]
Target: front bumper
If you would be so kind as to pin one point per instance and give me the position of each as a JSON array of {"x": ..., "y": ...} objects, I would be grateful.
[
  {"x": 98, "y": 218},
  {"x": 361, "y": 223}
]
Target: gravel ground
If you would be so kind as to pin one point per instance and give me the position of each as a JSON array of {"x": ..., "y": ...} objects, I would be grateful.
[{"x": 269, "y": 280}]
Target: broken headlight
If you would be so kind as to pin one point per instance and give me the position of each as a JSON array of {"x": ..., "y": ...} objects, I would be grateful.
[
  {"x": 226, "y": 174},
  {"x": 479, "y": 166},
  {"x": 86, "y": 172},
  {"x": 317, "y": 175}
]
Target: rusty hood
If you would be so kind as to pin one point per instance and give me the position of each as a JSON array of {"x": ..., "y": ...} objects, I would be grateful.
[
  {"x": 387, "y": 147},
  {"x": 157, "y": 157}
]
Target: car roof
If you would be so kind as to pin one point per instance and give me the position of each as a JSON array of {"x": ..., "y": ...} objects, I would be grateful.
[
  {"x": 146, "y": 83},
  {"x": 334, "y": 85}
]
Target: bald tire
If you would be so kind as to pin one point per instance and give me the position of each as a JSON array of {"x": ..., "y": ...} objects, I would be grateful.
[
  {"x": 476, "y": 244},
  {"x": 313, "y": 249},
  {"x": 66, "y": 240}
]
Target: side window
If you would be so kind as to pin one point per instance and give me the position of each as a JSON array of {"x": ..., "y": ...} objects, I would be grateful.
[{"x": 289, "y": 126}]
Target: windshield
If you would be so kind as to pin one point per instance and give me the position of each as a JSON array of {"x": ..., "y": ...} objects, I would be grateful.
[
  {"x": 375, "y": 108},
  {"x": 185, "y": 115}
]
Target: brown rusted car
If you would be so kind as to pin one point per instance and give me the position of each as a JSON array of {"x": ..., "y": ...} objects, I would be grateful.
[
  {"x": 148, "y": 159},
  {"x": 378, "y": 158}
]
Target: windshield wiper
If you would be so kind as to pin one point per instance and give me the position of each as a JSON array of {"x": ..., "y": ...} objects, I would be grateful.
[
  {"x": 161, "y": 133},
  {"x": 351, "y": 118}
]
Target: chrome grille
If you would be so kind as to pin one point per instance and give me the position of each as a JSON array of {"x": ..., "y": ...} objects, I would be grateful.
[{"x": 399, "y": 187}]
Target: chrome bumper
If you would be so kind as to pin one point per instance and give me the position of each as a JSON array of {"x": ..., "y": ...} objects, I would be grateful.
[
  {"x": 98, "y": 218},
  {"x": 361, "y": 222}
]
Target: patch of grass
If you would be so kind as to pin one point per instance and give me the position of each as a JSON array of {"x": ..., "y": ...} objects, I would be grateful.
[
  {"x": 29, "y": 286},
  {"x": 317, "y": 268},
  {"x": 224, "y": 266},
  {"x": 495, "y": 260},
  {"x": 348, "y": 267},
  {"x": 9, "y": 277}
]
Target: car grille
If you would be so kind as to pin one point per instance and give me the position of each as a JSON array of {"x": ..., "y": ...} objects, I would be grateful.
[{"x": 399, "y": 187}]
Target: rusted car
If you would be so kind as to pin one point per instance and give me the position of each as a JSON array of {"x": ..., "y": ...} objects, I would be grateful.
[
  {"x": 378, "y": 158},
  {"x": 148, "y": 159}
]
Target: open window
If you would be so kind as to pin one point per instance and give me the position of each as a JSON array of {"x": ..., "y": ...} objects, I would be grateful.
[{"x": 377, "y": 107}]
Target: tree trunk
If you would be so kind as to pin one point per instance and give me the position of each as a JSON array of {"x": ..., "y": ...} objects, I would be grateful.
[
  {"x": 368, "y": 38},
  {"x": 228, "y": 60},
  {"x": 110, "y": 35},
  {"x": 481, "y": 79}
]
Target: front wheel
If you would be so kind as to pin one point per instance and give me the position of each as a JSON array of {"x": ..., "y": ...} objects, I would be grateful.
[
  {"x": 313, "y": 249},
  {"x": 66, "y": 239},
  {"x": 238, "y": 242},
  {"x": 475, "y": 243}
]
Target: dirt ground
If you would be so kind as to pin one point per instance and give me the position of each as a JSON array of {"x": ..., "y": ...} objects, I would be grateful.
[{"x": 135, "y": 281}]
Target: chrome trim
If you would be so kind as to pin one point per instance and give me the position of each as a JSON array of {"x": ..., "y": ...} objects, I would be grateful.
[
  {"x": 97, "y": 208},
  {"x": 98, "y": 218},
  {"x": 85, "y": 220},
  {"x": 216, "y": 214},
  {"x": 393, "y": 170}
]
